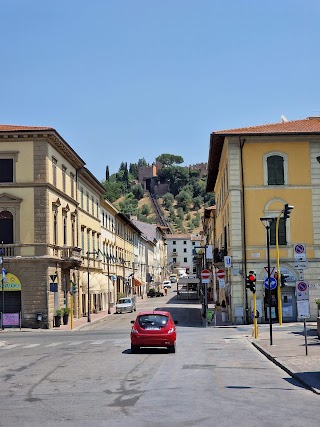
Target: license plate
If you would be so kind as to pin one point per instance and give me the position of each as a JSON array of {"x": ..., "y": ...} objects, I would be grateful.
[{"x": 152, "y": 328}]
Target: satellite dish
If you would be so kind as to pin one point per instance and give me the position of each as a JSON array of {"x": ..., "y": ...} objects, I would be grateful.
[{"x": 283, "y": 118}]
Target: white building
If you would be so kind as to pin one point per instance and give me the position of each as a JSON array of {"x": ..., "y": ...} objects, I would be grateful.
[{"x": 180, "y": 250}]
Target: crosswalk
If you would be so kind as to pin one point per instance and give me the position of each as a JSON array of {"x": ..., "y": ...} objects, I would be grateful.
[{"x": 6, "y": 347}]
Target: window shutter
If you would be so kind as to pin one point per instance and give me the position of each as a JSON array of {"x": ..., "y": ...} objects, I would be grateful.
[
  {"x": 275, "y": 170},
  {"x": 282, "y": 232}
]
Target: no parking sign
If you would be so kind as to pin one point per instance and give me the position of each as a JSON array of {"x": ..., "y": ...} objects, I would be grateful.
[
  {"x": 299, "y": 251},
  {"x": 302, "y": 289}
]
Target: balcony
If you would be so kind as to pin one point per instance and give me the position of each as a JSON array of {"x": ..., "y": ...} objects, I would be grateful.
[{"x": 70, "y": 256}]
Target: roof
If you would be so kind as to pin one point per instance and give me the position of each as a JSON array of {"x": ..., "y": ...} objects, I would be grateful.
[
  {"x": 13, "y": 128},
  {"x": 310, "y": 125}
]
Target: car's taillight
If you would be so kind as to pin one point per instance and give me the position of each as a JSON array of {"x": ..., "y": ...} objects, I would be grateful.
[
  {"x": 171, "y": 330},
  {"x": 134, "y": 330}
]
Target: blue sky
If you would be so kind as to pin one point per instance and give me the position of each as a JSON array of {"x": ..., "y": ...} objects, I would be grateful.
[{"x": 125, "y": 79}]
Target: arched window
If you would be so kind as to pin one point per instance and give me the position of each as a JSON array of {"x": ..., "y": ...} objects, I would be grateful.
[
  {"x": 6, "y": 227},
  {"x": 275, "y": 167}
]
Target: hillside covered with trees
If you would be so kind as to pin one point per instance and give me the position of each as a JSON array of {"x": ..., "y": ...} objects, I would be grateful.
[{"x": 182, "y": 205}]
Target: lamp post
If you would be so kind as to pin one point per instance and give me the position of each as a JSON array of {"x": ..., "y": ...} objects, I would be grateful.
[{"x": 266, "y": 221}]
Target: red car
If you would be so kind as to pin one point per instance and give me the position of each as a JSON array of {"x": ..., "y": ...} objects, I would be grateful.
[{"x": 153, "y": 329}]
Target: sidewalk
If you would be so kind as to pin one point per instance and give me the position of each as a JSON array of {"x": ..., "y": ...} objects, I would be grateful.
[{"x": 288, "y": 351}]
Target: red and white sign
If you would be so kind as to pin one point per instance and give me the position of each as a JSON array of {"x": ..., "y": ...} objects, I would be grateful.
[
  {"x": 205, "y": 274},
  {"x": 221, "y": 274}
]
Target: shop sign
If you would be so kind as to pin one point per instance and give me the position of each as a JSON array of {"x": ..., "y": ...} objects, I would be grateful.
[{"x": 10, "y": 282}]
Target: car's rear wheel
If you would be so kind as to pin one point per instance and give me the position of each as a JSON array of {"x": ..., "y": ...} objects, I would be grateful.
[
  {"x": 172, "y": 348},
  {"x": 134, "y": 348}
]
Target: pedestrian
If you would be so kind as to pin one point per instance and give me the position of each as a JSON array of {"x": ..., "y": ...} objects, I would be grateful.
[{"x": 166, "y": 290}]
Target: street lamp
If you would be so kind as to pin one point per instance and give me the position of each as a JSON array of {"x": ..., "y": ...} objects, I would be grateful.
[
  {"x": 88, "y": 265},
  {"x": 266, "y": 221}
]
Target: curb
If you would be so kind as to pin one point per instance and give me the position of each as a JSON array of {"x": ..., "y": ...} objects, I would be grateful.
[{"x": 284, "y": 368}]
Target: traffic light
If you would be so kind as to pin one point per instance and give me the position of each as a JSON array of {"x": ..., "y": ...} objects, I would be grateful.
[
  {"x": 251, "y": 281},
  {"x": 286, "y": 211},
  {"x": 73, "y": 287},
  {"x": 284, "y": 279}
]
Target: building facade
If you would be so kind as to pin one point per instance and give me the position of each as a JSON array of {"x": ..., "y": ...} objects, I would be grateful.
[
  {"x": 254, "y": 172},
  {"x": 181, "y": 249},
  {"x": 62, "y": 244}
]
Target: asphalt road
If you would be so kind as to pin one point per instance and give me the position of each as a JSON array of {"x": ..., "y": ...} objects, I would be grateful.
[{"x": 90, "y": 378}]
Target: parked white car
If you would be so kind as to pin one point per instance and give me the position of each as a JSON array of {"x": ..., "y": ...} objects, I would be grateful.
[{"x": 125, "y": 305}]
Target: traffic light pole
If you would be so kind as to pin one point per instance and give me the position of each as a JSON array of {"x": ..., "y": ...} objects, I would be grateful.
[
  {"x": 255, "y": 320},
  {"x": 278, "y": 272},
  {"x": 269, "y": 287}
]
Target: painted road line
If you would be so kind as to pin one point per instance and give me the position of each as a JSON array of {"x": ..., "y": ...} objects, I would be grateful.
[
  {"x": 54, "y": 344},
  {"x": 75, "y": 343},
  {"x": 98, "y": 342},
  {"x": 8, "y": 347},
  {"x": 31, "y": 345}
]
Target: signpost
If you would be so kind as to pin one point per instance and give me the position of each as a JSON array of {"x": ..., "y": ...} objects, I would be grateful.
[{"x": 221, "y": 274}]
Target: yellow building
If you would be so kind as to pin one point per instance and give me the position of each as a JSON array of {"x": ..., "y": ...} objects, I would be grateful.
[
  {"x": 254, "y": 172},
  {"x": 57, "y": 233}
]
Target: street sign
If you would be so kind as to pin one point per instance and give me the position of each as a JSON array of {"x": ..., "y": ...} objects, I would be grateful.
[
  {"x": 302, "y": 290},
  {"x": 271, "y": 270},
  {"x": 273, "y": 283},
  {"x": 300, "y": 265},
  {"x": 221, "y": 274},
  {"x": 227, "y": 261},
  {"x": 303, "y": 309},
  {"x": 300, "y": 252},
  {"x": 205, "y": 274},
  {"x": 222, "y": 283}
]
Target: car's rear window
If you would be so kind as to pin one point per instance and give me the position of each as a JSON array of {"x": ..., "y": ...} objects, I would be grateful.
[
  {"x": 155, "y": 320},
  {"x": 124, "y": 301}
]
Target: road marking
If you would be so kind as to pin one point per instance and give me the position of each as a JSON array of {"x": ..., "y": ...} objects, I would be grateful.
[
  {"x": 98, "y": 342},
  {"x": 53, "y": 344},
  {"x": 31, "y": 345},
  {"x": 8, "y": 347},
  {"x": 75, "y": 343}
]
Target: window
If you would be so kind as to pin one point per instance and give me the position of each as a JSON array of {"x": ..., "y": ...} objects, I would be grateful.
[
  {"x": 282, "y": 232},
  {"x": 88, "y": 201},
  {"x": 72, "y": 184},
  {"x": 64, "y": 172},
  {"x": 184, "y": 242},
  {"x": 64, "y": 230},
  {"x": 275, "y": 170},
  {"x": 81, "y": 191},
  {"x": 185, "y": 259},
  {"x": 54, "y": 171},
  {"x": 174, "y": 260},
  {"x": 6, "y": 170},
  {"x": 174, "y": 250},
  {"x": 174, "y": 242},
  {"x": 82, "y": 240},
  {"x": 55, "y": 229},
  {"x": 73, "y": 231},
  {"x": 6, "y": 227},
  {"x": 193, "y": 243},
  {"x": 92, "y": 199}
]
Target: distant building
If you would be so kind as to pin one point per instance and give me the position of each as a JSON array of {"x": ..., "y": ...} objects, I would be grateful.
[{"x": 180, "y": 250}]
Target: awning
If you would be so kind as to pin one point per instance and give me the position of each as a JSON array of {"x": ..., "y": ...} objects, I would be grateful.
[
  {"x": 137, "y": 282},
  {"x": 93, "y": 284}
]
